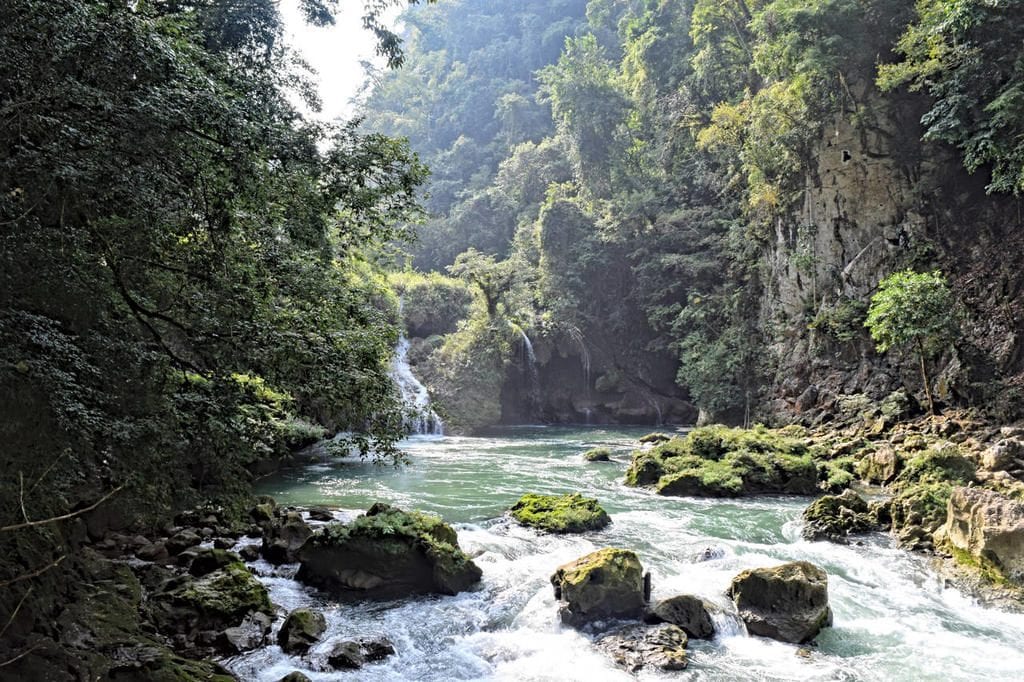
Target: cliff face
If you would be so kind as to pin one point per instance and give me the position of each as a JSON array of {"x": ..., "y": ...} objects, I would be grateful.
[{"x": 879, "y": 200}]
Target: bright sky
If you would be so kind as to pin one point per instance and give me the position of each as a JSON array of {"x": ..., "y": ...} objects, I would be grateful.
[{"x": 334, "y": 52}]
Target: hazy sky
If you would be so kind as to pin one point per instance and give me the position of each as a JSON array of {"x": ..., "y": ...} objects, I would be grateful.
[{"x": 334, "y": 52}]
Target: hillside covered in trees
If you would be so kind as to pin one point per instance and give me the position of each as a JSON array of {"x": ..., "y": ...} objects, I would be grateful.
[{"x": 686, "y": 206}]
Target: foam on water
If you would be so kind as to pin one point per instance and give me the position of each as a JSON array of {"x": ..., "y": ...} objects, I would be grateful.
[{"x": 893, "y": 618}]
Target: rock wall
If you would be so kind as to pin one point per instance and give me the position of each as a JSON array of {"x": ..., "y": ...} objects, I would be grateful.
[{"x": 880, "y": 199}]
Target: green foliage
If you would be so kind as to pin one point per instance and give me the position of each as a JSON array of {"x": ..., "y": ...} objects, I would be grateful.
[
  {"x": 431, "y": 304},
  {"x": 968, "y": 56},
  {"x": 911, "y": 308},
  {"x": 843, "y": 321},
  {"x": 185, "y": 277}
]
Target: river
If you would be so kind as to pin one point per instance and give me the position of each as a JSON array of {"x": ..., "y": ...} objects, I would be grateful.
[{"x": 894, "y": 620}]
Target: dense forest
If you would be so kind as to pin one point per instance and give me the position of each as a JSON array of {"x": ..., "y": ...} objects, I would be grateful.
[
  {"x": 601, "y": 212},
  {"x": 687, "y": 205}
]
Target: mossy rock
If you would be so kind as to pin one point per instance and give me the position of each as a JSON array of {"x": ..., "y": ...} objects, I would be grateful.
[
  {"x": 644, "y": 469},
  {"x": 738, "y": 473},
  {"x": 834, "y": 517},
  {"x": 788, "y": 602},
  {"x": 939, "y": 464},
  {"x": 608, "y": 583},
  {"x": 718, "y": 461},
  {"x": 387, "y": 553},
  {"x": 917, "y": 511},
  {"x": 216, "y": 601},
  {"x": 598, "y": 455},
  {"x": 656, "y": 437},
  {"x": 560, "y": 513},
  {"x": 301, "y": 630}
]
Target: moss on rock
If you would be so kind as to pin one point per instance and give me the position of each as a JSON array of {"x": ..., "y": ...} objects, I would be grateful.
[
  {"x": 598, "y": 455},
  {"x": 387, "y": 553},
  {"x": 608, "y": 583},
  {"x": 560, "y": 513},
  {"x": 717, "y": 461},
  {"x": 834, "y": 517}
]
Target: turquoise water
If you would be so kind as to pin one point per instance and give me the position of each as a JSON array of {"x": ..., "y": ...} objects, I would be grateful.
[{"x": 893, "y": 618}]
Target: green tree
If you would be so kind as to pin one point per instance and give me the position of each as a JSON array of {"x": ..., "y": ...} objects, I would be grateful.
[{"x": 913, "y": 309}]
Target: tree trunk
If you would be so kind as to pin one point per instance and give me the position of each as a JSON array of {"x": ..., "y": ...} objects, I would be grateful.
[{"x": 924, "y": 377}]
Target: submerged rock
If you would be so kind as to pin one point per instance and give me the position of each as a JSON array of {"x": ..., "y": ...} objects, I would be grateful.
[
  {"x": 387, "y": 553},
  {"x": 598, "y": 455},
  {"x": 640, "y": 646},
  {"x": 685, "y": 611},
  {"x": 788, "y": 602},
  {"x": 608, "y": 583},
  {"x": 987, "y": 528},
  {"x": 301, "y": 630},
  {"x": 295, "y": 676},
  {"x": 834, "y": 517},
  {"x": 560, "y": 513}
]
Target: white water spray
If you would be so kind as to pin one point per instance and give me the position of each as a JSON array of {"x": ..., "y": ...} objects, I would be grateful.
[
  {"x": 531, "y": 369},
  {"x": 420, "y": 418}
]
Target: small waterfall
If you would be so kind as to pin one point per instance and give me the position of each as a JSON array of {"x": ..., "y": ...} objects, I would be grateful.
[
  {"x": 419, "y": 419},
  {"x": 531, "y": 369},
  {"x": 577, "y": 336}
]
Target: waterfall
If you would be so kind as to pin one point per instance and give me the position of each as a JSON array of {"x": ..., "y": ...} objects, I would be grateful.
[
  {"x": 419, "y": 419},
  {"x": 577, "y": 336},
  {"x": 531, "y": 369}
]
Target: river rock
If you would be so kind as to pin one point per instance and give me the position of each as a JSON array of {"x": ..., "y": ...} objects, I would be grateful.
[
  {"x": 598, "y": 455},
  {"x": 387, "y": 553},
  {"x": 251, "y": 634},
  {"x": 655, "y": 438},
  {"x": 283, "y": 537},
  {"x": 788, "y": 602},
  {"x": 208, "y": 560},
  {"x": 321, "y": 514},
  {"x": 834, "y": 517},
  {"x": 639, "y": 646},
  {"x": 188, "y": 605},
  {"x": 350, "y": 655},
  {"x": 181, "y": 541},
  {"x": 295, "y": 676},
  {"x": 560, "y": 513},
  {"x": 882, "y": 465},
  {"x": 989, "y": 527},
  {"x": 685, "y": 611},
  {"x": 608, "y": 583},
  {"x": 301, "y": 630}
]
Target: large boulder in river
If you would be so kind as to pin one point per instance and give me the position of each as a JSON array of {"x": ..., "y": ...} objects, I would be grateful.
[
  {"x": 608, "y": 583},
  {"x": 788, "y": 602},
  {"x": 685, "y": 611},
  {"x": 301, "y": 630},
  {"x": 282, "y": 538},
  {"x": 988, "y": 528},
  {"x": 387, "y": 553},
  {"x": 641, "y": 646},
  {"x": 560, "y": 513},
  {"x": 834, "y": 517}
]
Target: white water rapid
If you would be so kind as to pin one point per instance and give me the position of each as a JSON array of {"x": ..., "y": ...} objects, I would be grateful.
[
  {"x": 420, "y": 418},
  {"x": 895, "y": 620}
]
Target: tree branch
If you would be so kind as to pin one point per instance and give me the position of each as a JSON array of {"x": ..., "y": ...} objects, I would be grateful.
[{"x": 63, "y": 517}]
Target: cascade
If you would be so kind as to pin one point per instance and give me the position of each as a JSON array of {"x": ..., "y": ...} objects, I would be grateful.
[
  {"x": 531, "y": 368},
  {"x": 420, "y": 418}
]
